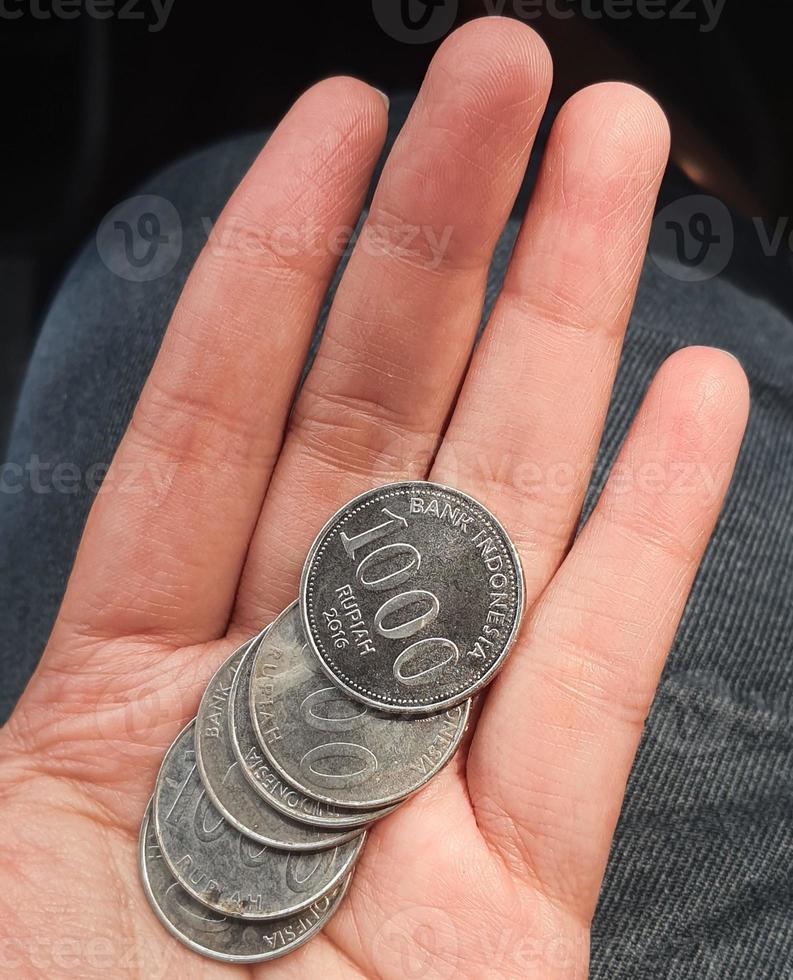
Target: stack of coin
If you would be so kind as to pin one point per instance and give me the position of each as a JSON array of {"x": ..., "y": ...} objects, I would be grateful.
[{"x": 327, "y": 721}]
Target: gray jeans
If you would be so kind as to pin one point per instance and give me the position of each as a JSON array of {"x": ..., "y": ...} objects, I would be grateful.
[{"x": 699, "y": 881}]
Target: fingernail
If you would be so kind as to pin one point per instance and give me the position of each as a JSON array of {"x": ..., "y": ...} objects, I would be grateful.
[{"x": 383, "y": 96}]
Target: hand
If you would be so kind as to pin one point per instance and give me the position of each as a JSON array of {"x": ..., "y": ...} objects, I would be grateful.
[{"x": 494, "y": 869}]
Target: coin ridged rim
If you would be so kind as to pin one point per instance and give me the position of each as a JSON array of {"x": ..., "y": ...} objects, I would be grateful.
[
  {"x": 206, "y": 951},
  {"x": 350, "y": 819},
  {"x": 341, "y": 835},
  {"x": 281, "y": 913},
  {"x": 340, "y": 676},
  {"x": 315, "y": 794}
]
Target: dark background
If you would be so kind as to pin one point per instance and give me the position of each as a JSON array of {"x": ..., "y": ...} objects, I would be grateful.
[{"x": 94, "y": 106}]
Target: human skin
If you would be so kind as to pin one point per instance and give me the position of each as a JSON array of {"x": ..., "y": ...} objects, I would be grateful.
[{"x": 494, "y": 869}]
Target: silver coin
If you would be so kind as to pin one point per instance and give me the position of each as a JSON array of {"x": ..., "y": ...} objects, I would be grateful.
[
  {"x": 227, "y": 787},
  {"x": 264, "y": 779},
  {"x": 223, "y": 868},
  {"x": 330, "y": 746},
  {"x": 411, "y": 596},
  {"x": 218, "y": 936}
]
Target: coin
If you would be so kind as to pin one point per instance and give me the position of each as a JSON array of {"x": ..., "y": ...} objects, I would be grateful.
[
  {"x": 261, "y": 775},
  {"x": 411, "y": 596},
  {"x": 227, "y": 787},
  {"x": 330, "y": 746},
  {"x": 223, "y": 868},
  {"x": 223, "y": 937}
]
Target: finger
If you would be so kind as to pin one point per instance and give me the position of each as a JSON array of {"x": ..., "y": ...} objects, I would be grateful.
[
  {"x": 166, "y": 538},
  {"x": 529, "y": 418},
  {"x": 404, "y": 317},
  {"x": 565, "y": 717}
]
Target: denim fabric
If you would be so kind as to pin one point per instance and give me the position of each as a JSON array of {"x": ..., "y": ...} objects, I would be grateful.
[{"x": 699, "y": 882}]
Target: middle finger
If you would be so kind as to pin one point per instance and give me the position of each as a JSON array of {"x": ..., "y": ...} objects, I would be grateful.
[{"x": 403, "y": 321}]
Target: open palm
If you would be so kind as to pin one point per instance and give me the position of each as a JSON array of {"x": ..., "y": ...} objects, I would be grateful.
[{"x": 494, "y": 869}]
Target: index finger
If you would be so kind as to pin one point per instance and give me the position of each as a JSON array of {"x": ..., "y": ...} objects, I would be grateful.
[{"x": 164, "y": 560}]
